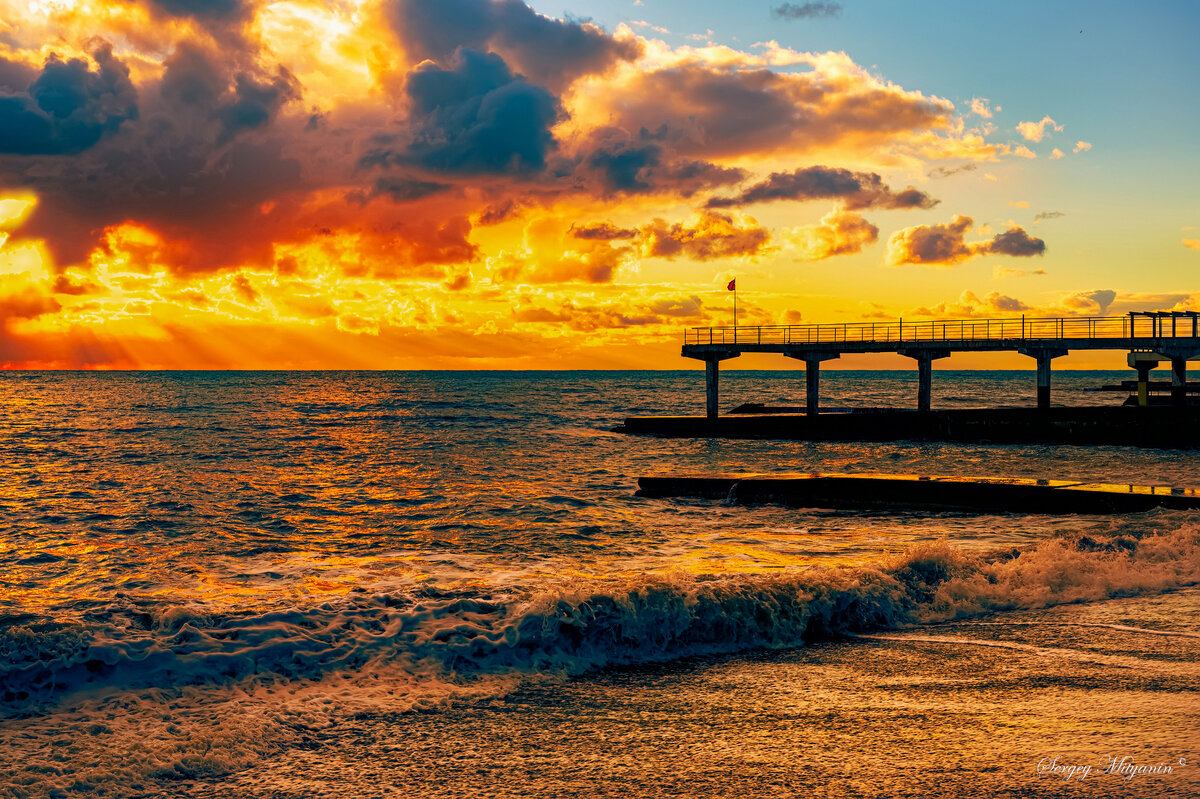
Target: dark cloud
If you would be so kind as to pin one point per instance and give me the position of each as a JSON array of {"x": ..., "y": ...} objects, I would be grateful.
[
  {"x": 67, "y": 108},
  {"x": 1048, "y": 215},
  {"x": 931, "y": 244},
  {"x": 945, "y": 245},
  {"x": 499, "y": 212},
  {"x": 196, "y": 162},
  {"x": 641, "y": 165},
  {"x": 858, "y": 190},
  {"x": 1014, "y": 241},
  {"x": 603, "y": 231},
  {"x": 15, "y": 76},
  {"x": 399, "y": 189},
  {"x": 204, "y": 9},
  {"x": 713, "y": 236},
  {"x": 549, "y": 52},
  {"x": 475, "y": 118},
  {"x": 806, "y": 11}
]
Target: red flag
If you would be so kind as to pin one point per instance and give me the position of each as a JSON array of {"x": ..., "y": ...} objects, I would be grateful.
[{"x": 732, "y": 285}]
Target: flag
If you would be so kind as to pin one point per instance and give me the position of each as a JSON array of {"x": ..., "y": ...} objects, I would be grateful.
[{"x": 732, "y": 285}]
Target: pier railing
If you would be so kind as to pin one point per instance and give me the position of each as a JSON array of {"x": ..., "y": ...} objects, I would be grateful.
[{"x": 1161, "y": 325}]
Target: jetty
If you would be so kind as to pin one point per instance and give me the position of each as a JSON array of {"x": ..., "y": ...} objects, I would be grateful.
[
  {"x": 892, "y": 492},
  {"x": 1150, "y": 337}
]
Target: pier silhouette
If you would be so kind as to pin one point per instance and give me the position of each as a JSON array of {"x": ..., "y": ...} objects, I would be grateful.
[{"x": 1151, "y": 337}]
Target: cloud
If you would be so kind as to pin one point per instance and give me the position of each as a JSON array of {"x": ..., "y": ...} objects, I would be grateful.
[
  {"x": 712, "y": 236},
  {"x": 474, "y": 118},
  {"x": 1019, "y": 203},
  {"x": 732, "y": 108},
  {"x": 641, "y": 165},
  {"x": 641, "y": 23},
  {"x": 1193, "y": 244},
  {"x": 980, "y": 106},
  {"x": 1023, "y": 152},
  {"x": 1014, "y": 241},
  {"x": 971, "y": 305},
  {"x": 945, "y": 172},
  {"x": 1056, "y": 154},
  {"x": 931, "y": 244},
  {"x": 945, "y": 245},
  {"x": 1048, "y": 215},
  {"x": 547, "y": 52},
  {"x": 68, "y": 108},
  {"x": 1082, "y": 146},
  {"x": 602, "y": 231},
  {"x": 806, "y": 11},
  {"x": 404, "y": 189},
  {"x": 668, "y": 310},
  {"x": 1092, "y": 303},
  {"x": 859, "y": 190},
  {"x": 1036, "y": 131},
  {"x": 1001, "y": 272},
  {"x": 839, "y": 233}
]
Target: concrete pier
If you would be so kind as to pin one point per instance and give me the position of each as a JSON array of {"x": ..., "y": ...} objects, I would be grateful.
[
  {"x": 1145, "y": 334},
  {"x": 841, "y": 491}
]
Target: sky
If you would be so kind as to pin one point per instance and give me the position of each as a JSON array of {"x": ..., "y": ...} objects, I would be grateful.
[{"x": 491, "y": 184}]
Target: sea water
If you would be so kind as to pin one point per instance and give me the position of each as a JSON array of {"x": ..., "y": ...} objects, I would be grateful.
[{"x": 216, "y": 576}]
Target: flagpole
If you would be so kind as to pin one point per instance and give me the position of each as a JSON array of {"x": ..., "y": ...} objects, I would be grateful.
[{"x": 735, "y": 305}]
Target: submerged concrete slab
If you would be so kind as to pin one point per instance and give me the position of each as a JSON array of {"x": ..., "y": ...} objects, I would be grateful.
[
  {"x": 1166, "y": 427},
  {"x": 842, "y": 491}
]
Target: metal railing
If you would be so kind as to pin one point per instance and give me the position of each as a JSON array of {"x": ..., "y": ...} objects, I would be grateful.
[{"x": 1179, "y": 324}]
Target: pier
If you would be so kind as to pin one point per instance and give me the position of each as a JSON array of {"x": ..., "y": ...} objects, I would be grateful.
[{"x": 1149, "y": 337}]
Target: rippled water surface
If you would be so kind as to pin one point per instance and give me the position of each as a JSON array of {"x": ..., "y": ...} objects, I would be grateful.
[{"x": 248, "y": 488}]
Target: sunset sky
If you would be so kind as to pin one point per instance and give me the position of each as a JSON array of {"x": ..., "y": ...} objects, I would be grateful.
[{"x": 458, "y": 184}]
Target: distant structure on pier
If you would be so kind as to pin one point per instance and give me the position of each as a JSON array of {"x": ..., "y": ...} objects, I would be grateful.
[{"x": 1151, "y": 337}]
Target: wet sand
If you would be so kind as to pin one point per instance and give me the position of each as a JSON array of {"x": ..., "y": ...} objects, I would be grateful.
[{"x": 998, "y": 706}]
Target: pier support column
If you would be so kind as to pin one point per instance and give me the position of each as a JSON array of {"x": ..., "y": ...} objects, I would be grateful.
[
  {"x": 1179, "y": 380},
  {"x": 1043, "y": 356},
  {"x": 1144, "y": 362},
  {"x": 812, "y": 377},
  {"x": 925, "y": 359},
  {"x": 712, "y": 378}
]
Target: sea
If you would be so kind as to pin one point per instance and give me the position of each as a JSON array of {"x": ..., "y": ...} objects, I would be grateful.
[{"x": 443, "y": 584}]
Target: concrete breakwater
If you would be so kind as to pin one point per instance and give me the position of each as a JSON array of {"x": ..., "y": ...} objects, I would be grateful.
[
  {"x": 840, "y": 491},
  {"x": 1162, "y": 427}
]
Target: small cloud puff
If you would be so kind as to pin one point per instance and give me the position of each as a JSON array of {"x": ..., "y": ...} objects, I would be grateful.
[{"x": 1036, "y": 131}]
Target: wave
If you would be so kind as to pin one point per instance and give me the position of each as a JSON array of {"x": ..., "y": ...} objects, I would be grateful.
[
  {"x": 200, "y": 693},
  {"x": 576, "y": 625}
]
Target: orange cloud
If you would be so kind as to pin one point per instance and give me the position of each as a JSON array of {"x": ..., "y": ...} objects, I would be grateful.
[
  {"x": 839, "y": 233},
  {"x": 713, "y": 235}
]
